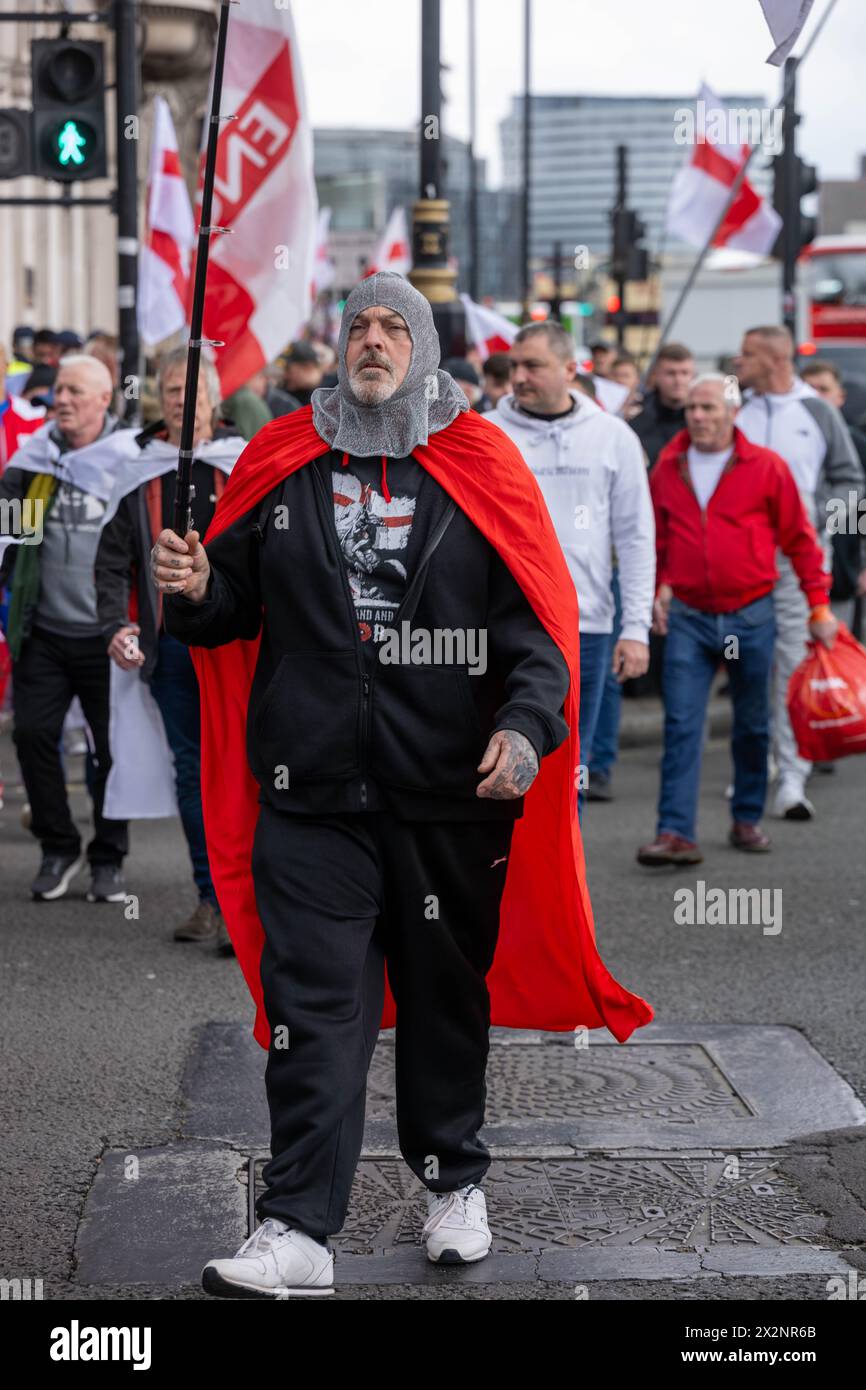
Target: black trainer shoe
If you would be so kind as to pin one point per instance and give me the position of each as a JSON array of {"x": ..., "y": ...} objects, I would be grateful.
[
  {"x": 598, "y": 787},
  {"x": 106, "y": 884},
  {"x": 55, "y": 875}
]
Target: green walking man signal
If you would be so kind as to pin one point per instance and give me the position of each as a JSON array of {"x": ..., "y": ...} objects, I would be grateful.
[{"x": 71, "y": 143}]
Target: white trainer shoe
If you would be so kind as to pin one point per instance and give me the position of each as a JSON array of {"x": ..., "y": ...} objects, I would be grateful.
[
  {"x": 456, "y": 1228},
  {"x": 791, "y": 801},
  {"x": 276, "y": 1262}
]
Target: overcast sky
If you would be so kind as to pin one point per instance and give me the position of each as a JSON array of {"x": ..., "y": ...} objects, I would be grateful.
[{"x": 362, "y": 62}]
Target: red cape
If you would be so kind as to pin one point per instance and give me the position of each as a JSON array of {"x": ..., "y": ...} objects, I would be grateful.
[{"x": 547, "y": 972}]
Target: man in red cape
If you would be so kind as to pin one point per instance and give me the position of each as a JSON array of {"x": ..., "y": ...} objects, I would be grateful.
[{"x": 369, "y": 800}]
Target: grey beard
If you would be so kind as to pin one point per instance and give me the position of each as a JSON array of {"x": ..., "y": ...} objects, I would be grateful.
[{"x": 374, "y": 390}]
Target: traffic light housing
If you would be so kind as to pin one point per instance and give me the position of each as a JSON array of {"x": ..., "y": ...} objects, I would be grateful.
[
  {"x": 805, "y": 182},
  {"x": 629, "y": 261},
  {"x": 15, "y": 159},
  {"x": 68, "y": 77},
  {"x": 616, "y": 316},
  {"x": 637, "y": 265}
]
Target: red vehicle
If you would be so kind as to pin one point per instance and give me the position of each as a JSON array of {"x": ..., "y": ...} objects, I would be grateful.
[
  {"x": 834, "y": 280},
  {"x": 832, "y": 310}
]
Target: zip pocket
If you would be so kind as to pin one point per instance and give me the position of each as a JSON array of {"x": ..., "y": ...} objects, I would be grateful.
[{"x": 304, "y": 720}]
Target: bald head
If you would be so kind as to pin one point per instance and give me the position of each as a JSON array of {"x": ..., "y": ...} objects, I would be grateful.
[
  {"x": 82, "y": 395},
  {"x": 766, "y": 360}
]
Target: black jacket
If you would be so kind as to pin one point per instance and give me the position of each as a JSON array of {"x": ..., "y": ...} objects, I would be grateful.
[
  {"x": 123, "y": 555},
  {"x": 281, "y": 402},
  {"x": 414, "y": 734},
  {"x": 123, "y": 558},
  {"x": 656, "y": 424}
]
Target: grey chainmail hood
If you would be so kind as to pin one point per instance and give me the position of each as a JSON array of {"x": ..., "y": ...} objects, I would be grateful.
[{"x": 427, "y": 399}]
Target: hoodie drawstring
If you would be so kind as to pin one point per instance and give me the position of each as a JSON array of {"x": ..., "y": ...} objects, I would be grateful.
[{"x": 385, "y": 489}]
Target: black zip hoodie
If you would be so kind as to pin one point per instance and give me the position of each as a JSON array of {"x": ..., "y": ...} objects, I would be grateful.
[
  {"x": 123, "y": 554},
  {"x": 656, "y": 424},
  {"x": 348, "y": 737}
]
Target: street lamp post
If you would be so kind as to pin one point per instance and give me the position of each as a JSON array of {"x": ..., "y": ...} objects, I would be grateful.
[
  {"x": 526, "y": 132},
  {"x": 127, "y": 99},
  {"x": 473, "y": 171},
  {"x": 431, "y": 273}
]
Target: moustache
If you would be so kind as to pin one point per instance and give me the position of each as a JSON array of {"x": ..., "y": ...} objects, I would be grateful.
[{"x": 374, "y": 361}]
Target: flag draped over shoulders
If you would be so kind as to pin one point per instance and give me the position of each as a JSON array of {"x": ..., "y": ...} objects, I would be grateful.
[{"x": 547, "y": 972}]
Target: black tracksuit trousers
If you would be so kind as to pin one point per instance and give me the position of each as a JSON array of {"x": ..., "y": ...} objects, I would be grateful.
[
  {"x": 51, "y": 670},
  {"x": 338, "y": 895}
]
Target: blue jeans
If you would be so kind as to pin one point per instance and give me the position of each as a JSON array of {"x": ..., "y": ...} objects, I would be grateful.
[
  {"x": 696, "y": 642},
  {"x": 595, "y": 658},
  {"x": 605, "y": 744},
  {"x": 175, "y": 689}
]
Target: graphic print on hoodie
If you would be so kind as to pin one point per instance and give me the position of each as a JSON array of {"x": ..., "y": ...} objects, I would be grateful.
[{"x": 373, "y": 535}]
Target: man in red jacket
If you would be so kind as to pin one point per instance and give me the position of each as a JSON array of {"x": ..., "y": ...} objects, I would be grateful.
[{"x": 722, "y": 506}]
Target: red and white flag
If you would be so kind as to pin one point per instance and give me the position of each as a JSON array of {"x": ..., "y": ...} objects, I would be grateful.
[
  {"x": 703, "y": 185},
  {"x": 785, "y": 19},
  {"x": 323, "y": 266},
  {"x": 610, "y": 395},
  {"x": 489, "y": 331},
  {"x": 260, "y": 277},
  {"x": 164, "y": 265},
  {"x": 394, "y": 251}
]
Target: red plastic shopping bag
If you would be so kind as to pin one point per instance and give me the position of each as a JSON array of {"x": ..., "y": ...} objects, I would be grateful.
[
  {"x": 827, "y": 700},
  {"x": 5, "y": 667}
]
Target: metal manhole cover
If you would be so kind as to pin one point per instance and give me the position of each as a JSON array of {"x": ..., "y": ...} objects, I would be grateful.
[
  {"x": 675, "y": 1202},
  {"x": 690, "y": 1086},
  {"x": 679, "y": 1083}
]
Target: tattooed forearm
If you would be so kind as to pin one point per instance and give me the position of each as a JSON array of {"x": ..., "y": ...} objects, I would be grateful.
[{"x": 515, "y": 769}]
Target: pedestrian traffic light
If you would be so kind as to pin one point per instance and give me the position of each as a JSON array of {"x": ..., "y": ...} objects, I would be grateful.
[
  {"x": 808, "y": 183},
  {"x": 68, "y": 110},
  {"x": 14, "y": 143},
  {"x": 805, "y": 182},
  {"x": 630, "y": 261}
]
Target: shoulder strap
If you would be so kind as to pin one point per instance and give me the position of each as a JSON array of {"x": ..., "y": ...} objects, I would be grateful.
[
  {"x": 442, "y": 526},
  {"x": 414, "y": 592}
]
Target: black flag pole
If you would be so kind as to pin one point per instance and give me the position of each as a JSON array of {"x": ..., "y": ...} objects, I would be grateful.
[{"x": 184, "y": 490}]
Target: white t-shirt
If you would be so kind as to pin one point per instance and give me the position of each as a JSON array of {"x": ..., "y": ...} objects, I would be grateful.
[{"x": 705, "y": 471}]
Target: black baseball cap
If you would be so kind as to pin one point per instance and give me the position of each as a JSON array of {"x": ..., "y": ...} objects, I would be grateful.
[
  {"x": 461, "y": 370},
  {"x": 300, "y": 352}
]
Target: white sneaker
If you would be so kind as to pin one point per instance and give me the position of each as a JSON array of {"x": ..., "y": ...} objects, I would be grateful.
[
  {"x": 276, "y": 1262},
  {"x": 456, "y": 1227},
  {"x": 791, "y": 801}
]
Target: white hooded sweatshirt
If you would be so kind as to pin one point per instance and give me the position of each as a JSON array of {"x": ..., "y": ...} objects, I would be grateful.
[
  {"x": 812, "y": 438},
  {"x": 592, "y": 471}
]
